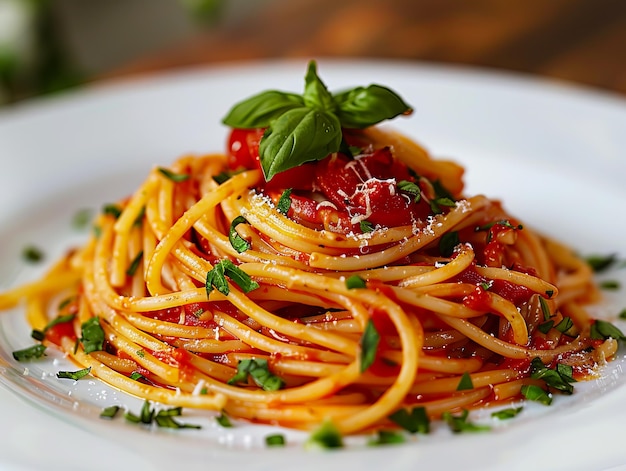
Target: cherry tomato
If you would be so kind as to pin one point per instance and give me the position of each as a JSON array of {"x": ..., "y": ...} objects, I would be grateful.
[{"x": 243, "y": 148}]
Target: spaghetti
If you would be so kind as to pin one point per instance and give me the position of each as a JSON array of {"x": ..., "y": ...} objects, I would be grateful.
[{"x": 343, "y": 289}]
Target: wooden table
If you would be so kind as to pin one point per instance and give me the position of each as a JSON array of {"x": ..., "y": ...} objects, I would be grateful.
[{"x": 583, "y": 41}]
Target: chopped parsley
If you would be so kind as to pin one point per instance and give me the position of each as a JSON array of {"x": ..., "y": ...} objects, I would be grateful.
[{"x": 559, "y": 378}]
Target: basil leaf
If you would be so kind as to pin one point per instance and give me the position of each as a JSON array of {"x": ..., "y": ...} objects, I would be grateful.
[
  {"x": 415, "y": 421},
  {"x": 223, "y": 420},
  {"x": 30, "y": 353},
  {"x": 238, "y": 243},
  {"x": 298, "y": 136},
  {"x": 369, "y": 345},
  {"x": 545, "y": 327},
  {"x": 460, "y": 424},
  {"x": 600, "y": 263},
  {"x": 365, "y": 106},
  {"x": 216, "y": 278},
  {"x": 602, "y": 330},
  {"x": 565, "y": 325},
  {"x": 366, "y": 226},
  {"x": 32, "y": 254},
  {"x": 175, "y": 177},
  {"x": 545, "y": 309},
  {"x": 258, "y": 370},
  {"x": 411, "y": 188},
  {"x": 610, "y": 284},
  {"x": 260, "y": 110},
  {"x": 109, "y": 412},
  {"x": 277, "y": 439},
  {"x": 508, "y": 413},
  {"x": 112, "y": 210},
  {"x": 75, "y": 375},
  {"x": 386, "y": 437},
  {"x": 284, "y": 202},
  {"x": 537, "y": 394},
  {"x": 59, "y": 320},
  {"x": 355, "y": 281},
  {"x": 326, "y": 436},
  {"x": 465, "y": 383},
  {"x": 134, "y": 265},
  {"x": 316, "y": 95},
  {"x": 448, "y": 242},
  {"x": 558, "y": 378},
  {"x": 92, "y": 335}
]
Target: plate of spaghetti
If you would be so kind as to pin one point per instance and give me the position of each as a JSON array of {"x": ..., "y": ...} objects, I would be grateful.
[{"x": 385, "y": 264}]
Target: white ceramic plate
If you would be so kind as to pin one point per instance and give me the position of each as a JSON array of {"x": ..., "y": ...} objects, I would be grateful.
[{"x": 553, "y": 153}]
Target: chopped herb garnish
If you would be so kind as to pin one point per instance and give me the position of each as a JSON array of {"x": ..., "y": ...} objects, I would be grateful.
[
  {"x": 326, "y": 436},
  {"x": 501, "y": 222},
  {"x": 437, "y": 203},
  {"x": 175, "y": 177},
  {"x": 565, "y": 325},
  {"x": 140, "y": 353},
  {"x": 109, "y": 412},
  {"x": 134, "y": 265},
  {"x": 544, "y": 308},
  {"x": 38, "y": 335},
  {"x": 225, "y": 176},
  {"x": 508, "y": 413},
  {"x": 602, "y": 330},
  {"x": 137, "y": 376},
  {"x": 276, "y": 439},
  {"x": 30, "y": 353},
  {"x": 622, "y": 314},
  {"x": 92, "y": 335},
  {"x": 75, "y": 375},
  {"x": 355, "y": 282},
  {"x": 369, "y": 345},
  {"x": 387, "y": 437},
  {"x": 223, "y": 420},
  {"x": 549, "y": 293},
  {"x": 112, "y": 210},
  {"x": 610, "y": 284},
  {"x": 412, "y": 188},
  {"x": 147, "y": 413},
  {"x": 414, "y": 421},
  {"x": 545, "y": 327},
  {"x": 41, "y": 334},
  {"x": 284, "y": 202},
  {"x": 465, "y": 382},
  {"x": 216, "y": 278},
  {"x": 366, "y": 226},
  {"x": 32, "y": 254},
  {"x": 448, "y": 242},
  {"x": 559, "y": 378},
  {"x": 533, "y": 392},
  {"x": 460, "y": 424},
  {"x": 307, "y": 127},
  {"x": 238, "y": 243},
  {"x": 82, "y": 218},
  {"x": 600, "y": 263},
  {"x": 258, "y": 370}
]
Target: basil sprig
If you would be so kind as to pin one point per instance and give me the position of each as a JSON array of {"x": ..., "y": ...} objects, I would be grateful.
[{"x": 307, "y": 127}]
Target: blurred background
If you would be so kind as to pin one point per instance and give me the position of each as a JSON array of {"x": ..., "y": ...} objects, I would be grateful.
[{"x": 52, "y": 45}]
